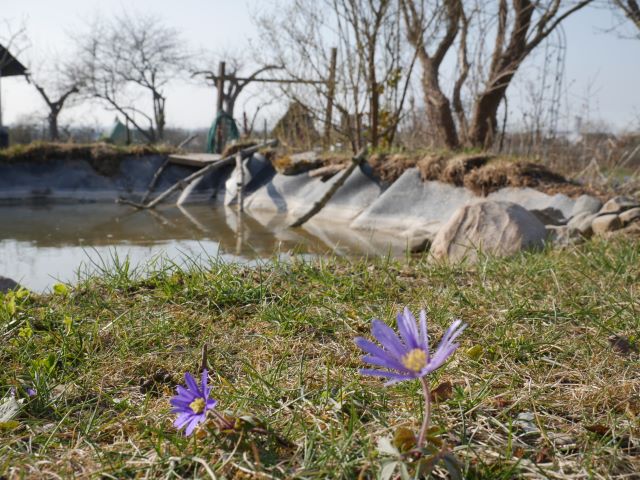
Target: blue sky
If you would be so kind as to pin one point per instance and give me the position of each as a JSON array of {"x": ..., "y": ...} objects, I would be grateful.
[{"x": 602, "y": 69}]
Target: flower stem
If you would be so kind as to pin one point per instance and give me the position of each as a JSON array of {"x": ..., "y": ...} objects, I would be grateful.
[{"x": 427, "y": 412}]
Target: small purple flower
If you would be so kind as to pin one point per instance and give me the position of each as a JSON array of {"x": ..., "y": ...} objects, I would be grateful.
[
  {"x": 191, "y": 403},
  {"x": 406, "y": 356},
  {"x": 31, "y": 392}
]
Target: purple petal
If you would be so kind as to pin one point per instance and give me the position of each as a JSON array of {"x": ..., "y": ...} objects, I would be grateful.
[
  {"x": 182, "y": 420},
  {"x": 388, "y": 339},
  {"x": 375, "y": 351},
  {"x": 408, "y": 329},
  {"x": 424, "y": 334},
  {"x": 193, "y": 424},
  {"x": 383, "y": 373},
  {"x": 204, "y": 388},
  {"x": 191, "y": 384},
  {"x": 384, "y": 362},
  {"x": 185, "y": 394},
  {"x": 180, "y": 403},
  {"x": 211, "y": 403}
]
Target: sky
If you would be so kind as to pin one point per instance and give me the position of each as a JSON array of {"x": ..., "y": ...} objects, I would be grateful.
[{"x": 601, "y": 70}]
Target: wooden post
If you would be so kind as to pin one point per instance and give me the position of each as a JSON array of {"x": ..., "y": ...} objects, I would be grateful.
[
  {"x": 219, "y": 104},
  {"x": 240, "y": 182},
  {"x": 331, "y": 91}
]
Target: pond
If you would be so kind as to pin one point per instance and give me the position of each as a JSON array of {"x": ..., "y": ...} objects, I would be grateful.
[{"x": 43, "y": 244}]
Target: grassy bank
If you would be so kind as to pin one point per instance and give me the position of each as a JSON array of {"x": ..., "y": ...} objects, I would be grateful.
[{"x": 544, "y": 392}]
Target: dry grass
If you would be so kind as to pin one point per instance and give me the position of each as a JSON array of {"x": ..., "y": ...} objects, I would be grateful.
[{"x": 548, "y": 396}]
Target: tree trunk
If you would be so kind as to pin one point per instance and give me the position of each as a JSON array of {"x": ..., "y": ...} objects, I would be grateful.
[
  {"x": 438, "y": 107},
  {"x": 54, "y": 135},
  {"x": 484, "y": 120}
]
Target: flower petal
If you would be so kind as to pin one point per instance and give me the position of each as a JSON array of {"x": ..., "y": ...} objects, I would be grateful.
[
  {"x": 375, "y": 351},
  {"x": 193, "y": 424},
  {"x": 185, "y": 394},
  {"x": 388, "y": 338},
  {"x": 387, "y": 362},
  {"x": 408, "y": 329},
  {"x": 191, "y": 384},
  {"x": 383, "y": 373},
  {"x": 182, "y": 420},
  {"x": 424, "y": 334},
  {"x": 203, "y": 387}
]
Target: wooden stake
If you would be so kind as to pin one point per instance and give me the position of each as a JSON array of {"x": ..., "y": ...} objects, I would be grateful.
[{"x": 240, "y": 182}]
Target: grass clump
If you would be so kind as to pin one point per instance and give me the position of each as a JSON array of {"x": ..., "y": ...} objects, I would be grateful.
[{"x": 537, "y": 388}]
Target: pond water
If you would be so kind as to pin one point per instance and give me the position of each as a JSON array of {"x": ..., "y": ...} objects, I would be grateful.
[{"x": 41, "y": 245}]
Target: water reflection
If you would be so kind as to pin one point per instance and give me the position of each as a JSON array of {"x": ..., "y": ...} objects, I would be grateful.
[{"x": 43, "y": 244}]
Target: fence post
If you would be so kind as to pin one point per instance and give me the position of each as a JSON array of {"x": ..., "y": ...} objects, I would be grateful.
[{"x": 219, "y": 104}]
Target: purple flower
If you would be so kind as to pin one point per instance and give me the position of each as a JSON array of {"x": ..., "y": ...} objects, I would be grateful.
[
  {"x": 191, "y": 403},
  {"x": 31, "y": 392},
  {"x": 406, "y": 356}
]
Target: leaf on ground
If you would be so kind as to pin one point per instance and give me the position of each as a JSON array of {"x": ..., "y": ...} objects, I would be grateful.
[
  {"x": 442, "y": 392},
  {"x": 543, "y": 455},
  {"x": 9, "y": 408},
  {"x": 598, "y": 428},
  {"x": 385, "y": 447}
]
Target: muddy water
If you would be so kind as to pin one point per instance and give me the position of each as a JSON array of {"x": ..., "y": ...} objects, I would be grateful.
[{"x": 40, "y": 245}]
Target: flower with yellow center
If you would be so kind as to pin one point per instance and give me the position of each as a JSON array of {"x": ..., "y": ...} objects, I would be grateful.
[
  {"x": 197, "y": 405},
  {"x": 415, "y": 360}
]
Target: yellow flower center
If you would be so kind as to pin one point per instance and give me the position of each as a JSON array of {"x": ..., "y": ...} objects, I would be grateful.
[
  {"x": 197, "y": 405},
  {"x": 415, "y": 360}
]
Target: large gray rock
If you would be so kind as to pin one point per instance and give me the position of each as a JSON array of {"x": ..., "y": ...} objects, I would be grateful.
[
  {"x": 498, "y": 228},
  {"x": 7, "y": 284},
  {"x": 586, "y": 204},
  {"x": 532, "y": 199},
  {"x": 413, "y": 209}
]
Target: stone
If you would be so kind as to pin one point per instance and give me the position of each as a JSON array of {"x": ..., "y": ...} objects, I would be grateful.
[
  {"x": 581, "y": 224},
  {"x": 7, "y": 284},
  {"x": 413, "y": 209},
  {"x": 606, "y": 223},
  {"x": 586, "y": 204},
  {"x": 549, "y": 216},
  {"x": 631, "y": 215},
  {"x": 533, "y": 199},
  {"x": 498, "y": 228},
  {"x": 619, "y": 204},
  {"x": 297, "y": 163}
]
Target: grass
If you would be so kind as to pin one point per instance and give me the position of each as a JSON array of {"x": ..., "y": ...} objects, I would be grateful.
[{"x": 544, "y": 394}]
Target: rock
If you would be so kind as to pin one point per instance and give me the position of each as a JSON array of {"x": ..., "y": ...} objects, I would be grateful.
[
  {"x": 7, "y": 284},
  {"x": 411, "y": 208},
  {"x": 498, "y": 228},
  {"x": 549, "y": 216},
  {"x": 631, "y": 215},
  {"x": 532, "y": 199},
  {"x": 606, "y": 223},
  {"x": 581, "y": 224},
  {"x": 297, "y": 163},
  {"x": 562, "y": 235},
  {"x": 619, "y": 204},
  {"x": 586, "y": 204}
]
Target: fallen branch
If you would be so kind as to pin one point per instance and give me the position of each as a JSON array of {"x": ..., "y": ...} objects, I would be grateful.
[
  {"x": 180, "y": 184},
  {"x": 355, "y": 161}
]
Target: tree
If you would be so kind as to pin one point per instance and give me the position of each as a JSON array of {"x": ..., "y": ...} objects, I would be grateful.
[
  {"x": 119, "y": 58},
  {"x": 631, "y": 9},
  {"x": 373, "y": 67},
  {"x": 56, "y": 91},
  {"x": 436, "y": 27}
]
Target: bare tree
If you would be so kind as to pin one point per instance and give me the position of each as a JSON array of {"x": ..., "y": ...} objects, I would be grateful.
[
  {"x": 373, "y": 70},
  {"x": 56, "y": 87},
  {"x": 631, "y": 9},
  {"x": 435, "y": 27},
  {"x": 119, "y": 58}
]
